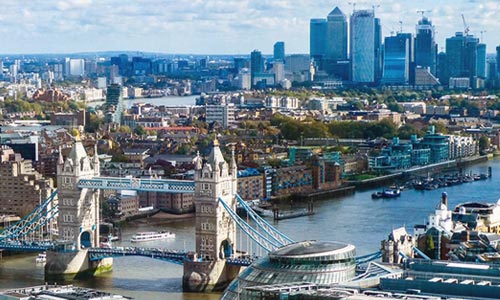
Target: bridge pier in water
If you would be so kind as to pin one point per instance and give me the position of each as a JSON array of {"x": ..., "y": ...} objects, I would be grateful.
[
  {"x": 207, "y": 270},
  {"x": 78, "y": 218}
]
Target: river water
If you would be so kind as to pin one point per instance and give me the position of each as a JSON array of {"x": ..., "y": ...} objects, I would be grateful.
[
  {"x": 167, "y": 101},
  {"x": 355, "y": 219}
]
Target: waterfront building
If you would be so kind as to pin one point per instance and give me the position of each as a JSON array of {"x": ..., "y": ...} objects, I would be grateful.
[
  {"x": 250, "y": 184},
  {"x": 169, "y": 202},
  {"x": 309, "y": 261},
  {"x": 362, "y": 46},
  {"x": 289, "y": 180},
  {"x": 125, "y": 204},
  {"x": 396, "y": 69},
  {"x": 21, "y": 188},
  {"x": 462, "y": 146},
  {"x": 221, "y": 114},
  {"x": 437, "y": 143},
  {"x": 425, "y": 45},
  {"x": 279, "y": 51}
]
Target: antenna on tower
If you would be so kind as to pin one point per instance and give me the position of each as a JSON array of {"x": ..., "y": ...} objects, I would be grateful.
[
  {"x": 353, "y": 4},
  {"x": 375, "y": 7},
  {"x": 482, "y": 32},
  {"x": 400, "y": 26}
]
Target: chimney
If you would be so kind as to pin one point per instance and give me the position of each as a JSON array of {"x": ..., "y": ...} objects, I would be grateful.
[{"x": 444, "y": 199}]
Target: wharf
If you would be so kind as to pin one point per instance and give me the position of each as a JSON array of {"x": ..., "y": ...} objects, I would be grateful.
[
  {"x": 292, "y": 214},
  {"x": 432, "y": 169},
  {"x": 324, "y": 194}
]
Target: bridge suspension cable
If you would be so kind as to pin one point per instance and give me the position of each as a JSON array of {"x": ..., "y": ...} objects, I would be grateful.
[
  {"x": 255, "y": 235},
  {"x": 34, "y": 220},
  {"x": 274, "y": 233}
]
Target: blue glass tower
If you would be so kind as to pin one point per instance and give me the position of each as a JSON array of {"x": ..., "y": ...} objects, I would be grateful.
[
  {"x": 318, "y": 36},
  {"x": 397, "y": 60},
  {"x": 362, "y": 46},
  {"x": 425, "y": 45}
]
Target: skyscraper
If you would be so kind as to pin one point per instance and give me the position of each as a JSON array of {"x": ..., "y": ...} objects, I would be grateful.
[
  {"x": 256, "y": 64},
  {"x": 470, "y": 56},
  {"x": 317, "y": 39},
  {"x": 455, "y": 56},
  {"x": 362, "y": 46},
  {"x": 279, "y": 51},
  {"x": 397, "y": 60},
  {"x": 336, "y": 35},
  {"x": 481, "y": 60},
  {"x": 425, "y": 45},
  {"x": 498, "y": 59}
]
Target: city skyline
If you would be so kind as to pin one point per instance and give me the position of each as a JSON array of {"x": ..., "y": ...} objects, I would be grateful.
[{"x": 215, "y": 26}]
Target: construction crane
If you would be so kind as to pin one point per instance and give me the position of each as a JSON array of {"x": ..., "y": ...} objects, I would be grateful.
[
  {"x": 422, "y": 12},
  {"x": 466, "y": 28},
  {"x": 353, "y": 4}
]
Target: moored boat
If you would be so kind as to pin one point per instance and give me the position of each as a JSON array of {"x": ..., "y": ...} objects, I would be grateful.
[
  {"x": 41, "y": 258},
  {"x": 151, "y": 236}
]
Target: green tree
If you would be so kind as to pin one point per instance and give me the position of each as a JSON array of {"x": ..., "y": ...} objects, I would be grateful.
[
  {"x": 139, "y": 130},
  {"x": 484, "y": 144}
]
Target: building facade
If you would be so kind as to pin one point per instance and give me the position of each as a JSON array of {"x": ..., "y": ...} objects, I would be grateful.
[{"x": 362, "y": 46}]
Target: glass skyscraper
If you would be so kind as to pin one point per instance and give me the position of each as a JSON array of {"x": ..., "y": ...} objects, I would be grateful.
[
  {"x": 481, "y": 61},
  {"x": 318, "y": 35},
  {"x": 455, "y": 57},
  {"x": 362, "y": 46},
  {"x": 397, "y": 60},
  {"x": 336, "y": 37},
  {"x": 279, "y": 51},
  {"x": 425, "y": 45}
]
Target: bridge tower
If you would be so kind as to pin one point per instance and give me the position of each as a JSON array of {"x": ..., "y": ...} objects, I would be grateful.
[
  {"x": 215, "y": 230},
  {"x": 78, "y": 218}
]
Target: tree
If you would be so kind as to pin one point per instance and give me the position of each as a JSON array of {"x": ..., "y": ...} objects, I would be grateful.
[
  {"x": 484, "y": 144},
  {"x": 139, "y": 130}
]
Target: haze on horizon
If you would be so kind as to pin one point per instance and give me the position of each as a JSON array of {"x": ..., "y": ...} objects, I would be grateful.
[{"x": 215, "y": 26}]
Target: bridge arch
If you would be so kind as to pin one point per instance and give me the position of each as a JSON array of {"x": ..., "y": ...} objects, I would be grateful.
[
  {"x": 226, "y": 249},
  {"x": 85, "y": 240}
]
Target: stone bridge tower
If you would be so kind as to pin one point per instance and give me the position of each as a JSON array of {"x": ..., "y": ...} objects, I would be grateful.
[
  {"x": 78, "y": 219},
  {"x": 215, "y": 230}
]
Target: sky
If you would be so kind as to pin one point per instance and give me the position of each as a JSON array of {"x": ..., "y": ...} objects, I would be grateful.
[{"x": 215, "y": 26}]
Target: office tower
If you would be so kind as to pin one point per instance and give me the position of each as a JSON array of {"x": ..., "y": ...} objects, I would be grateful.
[
  {"x": 362, "y": 46},
  {"x": 455, "y": 57},
  {"x": 378, "y": 49},
  {"x": 318, "y": 37},
  {"x": 470, "y": 56},
  {"x": 256, "y": 64},
  {"x": 498, "y": 59},
  {"x": 442, "y": 69},
  {"x": 492, "y": 68},
  {"x": 397, "y": 60},
  {"x": 76, "y": 67},
  {"x": 279, "y": 51},
  {"x": 278, "y": 71},
  {"x": 336, "y": 36},
  {"x": 240, "y": 63},
  {"x": 425, "y": 45},
  {"x": 123, "y": 64},
  {"x": 481, "y": 61}
]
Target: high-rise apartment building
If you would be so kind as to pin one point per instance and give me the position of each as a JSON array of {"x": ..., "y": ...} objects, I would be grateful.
[
  {"x": 279, "y": 51},
  {"x": 362, "y": 46},
  {"x": 425, "y": 45},
  {"x": 396, "y": 69}
]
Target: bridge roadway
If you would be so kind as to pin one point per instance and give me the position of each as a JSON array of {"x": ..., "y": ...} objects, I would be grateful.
[
  {"x": 138, "y": 184},
  {"x": 169, "y": 255}
]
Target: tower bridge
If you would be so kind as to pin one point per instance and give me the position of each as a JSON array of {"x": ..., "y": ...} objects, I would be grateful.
[
  {"x": 212, "y": 265},
  {"x": 75, "y": 206}
]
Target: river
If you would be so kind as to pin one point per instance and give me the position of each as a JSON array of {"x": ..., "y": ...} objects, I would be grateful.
[
  {"x": 355, "y": 219},
  {"x": 167, "y": 101}
]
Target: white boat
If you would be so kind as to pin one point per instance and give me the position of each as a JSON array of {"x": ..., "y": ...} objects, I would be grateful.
[
  {"x": 41, "y": 258},
  {"x": 152, "y": 236}
]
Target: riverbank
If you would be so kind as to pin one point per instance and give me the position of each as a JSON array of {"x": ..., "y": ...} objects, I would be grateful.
[
  {"x": 161, "y": 218},
  {"x": 419, "y": 171}
]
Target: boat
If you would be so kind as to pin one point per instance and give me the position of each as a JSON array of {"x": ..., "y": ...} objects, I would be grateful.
[
  {"x": 114, "y": 238},
  {"x": 151, "y": 236},
  {"x": 41, "y": 258},
  {"x": 387, "y": 193}
]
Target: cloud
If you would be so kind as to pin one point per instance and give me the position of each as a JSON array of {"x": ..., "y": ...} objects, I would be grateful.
[{"x": 222, "y": 26}]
